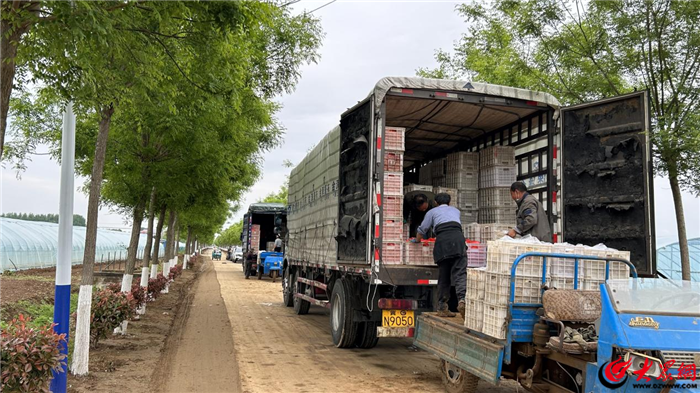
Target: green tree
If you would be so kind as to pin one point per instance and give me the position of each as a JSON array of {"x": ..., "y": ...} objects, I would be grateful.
[{"x": 584, "y": 51}]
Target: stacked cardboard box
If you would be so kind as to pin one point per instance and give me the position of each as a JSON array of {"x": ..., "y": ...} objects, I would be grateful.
[{"x": 496, "y": 173}]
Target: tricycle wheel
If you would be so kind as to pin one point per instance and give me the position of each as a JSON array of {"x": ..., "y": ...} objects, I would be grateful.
[
  {"x": 273, "y": 275},
  {"x": 260, "y": 273},
  {"x": 457, "y": 380}
]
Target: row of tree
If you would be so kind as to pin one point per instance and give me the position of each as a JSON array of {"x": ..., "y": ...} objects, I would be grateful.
[
  {"x": 174, "y": 104},
  {"x": 78, "y": 220},
  {"x": 586, "y": 50}
]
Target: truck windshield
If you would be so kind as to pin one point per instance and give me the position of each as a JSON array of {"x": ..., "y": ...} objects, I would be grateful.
[{"x": 656, "y": 296}]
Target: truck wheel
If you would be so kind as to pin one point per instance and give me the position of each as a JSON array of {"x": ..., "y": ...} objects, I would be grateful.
[
  {"x": 343, "y": 327},
  {"x": 301, "y": 306},
  {"x": 287, "y": 288},
  {"x": 457, "y": 380},
  {"x": 367, "y": 335}
]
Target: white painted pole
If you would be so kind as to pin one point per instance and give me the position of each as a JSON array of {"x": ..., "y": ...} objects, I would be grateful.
[{"x": 61, "y": 312}]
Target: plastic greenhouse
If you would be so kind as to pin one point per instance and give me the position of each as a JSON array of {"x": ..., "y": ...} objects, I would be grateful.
[
  {"x": 668, "y": 260},
  {"x": 31, "y": 244}
]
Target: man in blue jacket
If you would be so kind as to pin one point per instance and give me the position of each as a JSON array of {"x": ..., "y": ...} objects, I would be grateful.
[{"x": 449, "y": 252}]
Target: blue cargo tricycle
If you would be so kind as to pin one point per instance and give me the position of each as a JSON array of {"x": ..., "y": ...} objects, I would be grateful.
[
  {"x": 648, "y": 338},
  {"x": 270, "y": 264}
]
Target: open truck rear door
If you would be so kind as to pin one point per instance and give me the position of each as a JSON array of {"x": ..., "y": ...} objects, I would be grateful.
[{"x": 607, "y": 184}]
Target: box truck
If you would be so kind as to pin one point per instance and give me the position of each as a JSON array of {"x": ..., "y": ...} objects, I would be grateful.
[{"x": 589, "y": 165}]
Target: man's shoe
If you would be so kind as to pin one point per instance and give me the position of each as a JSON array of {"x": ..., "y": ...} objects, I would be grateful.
[
  {"x": 443, "y": 311},
  {"x": 461, "y": 308}
]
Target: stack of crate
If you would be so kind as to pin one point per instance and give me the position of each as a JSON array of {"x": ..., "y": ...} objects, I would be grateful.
[
  {"x": 497, "y": 172},
  {"x": 425, "y": 174},
  {"x": 255, "y": 237},
  {"x": 591, "y": 273},
  {"x": 419, "y": 254},
  {"x": 476, "y": 254},
  {"x": 472, "y": 231},
  {"x": 463, "y": 175},
  {"x": 493, "y": 231},
  {"x": 392, "y": 225},
  {"x": 437, "y": 172},
  {"x": 476, "y": 290}
]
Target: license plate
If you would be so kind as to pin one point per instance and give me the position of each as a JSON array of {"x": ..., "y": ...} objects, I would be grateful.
[{"x": 398, "y": 318}]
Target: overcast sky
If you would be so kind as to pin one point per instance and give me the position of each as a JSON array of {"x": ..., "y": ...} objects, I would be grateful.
[{"x": 364, "y": 42}]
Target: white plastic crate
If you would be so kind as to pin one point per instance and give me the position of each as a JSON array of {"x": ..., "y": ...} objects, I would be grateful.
[
  {"x": 393, "y": 183},
  {"x": 462, "y": 160},
  {"x": 392, "y": 253},
  {"x": 417, "y": 187},
  {"x": 466, "y": 200},
  {"x": 497, "y": 176},
  {"x": 468, "y": 216},
  {"x": 502, "y": 254},
  {"x": 476, "y": 254},
  {"x": 439, "y": 182},
  {"x": 497, "y": 155},
  {"x": 495, "y": 323},
  {"x": 476, "y": 283},
  {"x": 393, "y": 161},
  {"x": 425, "y": 174},
  {"x": 493, "y": 231},
  {"x": 394, "y": 138},
  {"x": 563, "y": 283},
  {"x": 496, "y": 197},
  {"x": 497, "y": 215},
  {"x": 472, "y": 231},
  {"x": 405, "y": 231},
  {"x": 527, "y": 289},
  {"x": 418, "y": 254},
  {"x": 452, "y": 192},
  {"x": 591, "y": 285},
  {"x": 463, "y": 180},
  {"x": 392, "y": 230},
  {"x": 595, "y": 270},
  {"x": 563, "y": 267},
  {"x": 392, "y": 205},
  {"x": 438, "y": 168},
  {"x": 474, "y": 315}
]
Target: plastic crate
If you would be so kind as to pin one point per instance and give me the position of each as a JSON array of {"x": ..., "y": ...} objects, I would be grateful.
[
  {"x": 417, "y": 187},
  {"x": 476, "y": 284},
  {"x": 466, "y": 200},
  {"x": 438, "y": 168},
  {"x": 462, "y": 160},
  {"x": 497, "y": 155},
  {"x": 496, "y": 197},
  {"x": 563, "y": 283},
  {"x": 392, "y": 205},
  {"x": 476, "y": 254},
  {"x": 468, "y": 216},
  {"x": 394, "y": 138},
  {"x": 474, "y": 315},
  {"x": 439, "y": 182},
  {"x": 591, "y": 285},
  {"x": 425, "y": 174},
  {"x": 393, "y": 183},
  {"x": 452, "y": 192},
  {"x": 502, "y": 254},
  {"x": 393, "y": 161},
  {"x": 463, "y": 180},
  {"x": 472, "y": 231},
  {"x": 595, "y": 270},
  {"x": 493, "y": 231},
  {"x": 392, "y": 230},
  {"x": 405, "y": 231},
  {"x": 563, "y": 268},
  {"x": 497, "y": 215},
  {"x": 527, "y": 289},
  {"x": 419, "y": 254},
  {"x": 392, "y": 253},
  {"x": 495, "y": 320},
  {"x": 497, "y": 176}
]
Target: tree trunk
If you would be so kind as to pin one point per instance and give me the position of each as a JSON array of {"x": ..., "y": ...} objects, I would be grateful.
[
  {"x": 149, "y": 230},
  {"x": 159, "y": 232},
  {"x": 135, "y": 237},
  {"x": 9, "y": 41},
  {"x": 94, "y": 197},
  {"x": 171, "y": 236},
  {"x": 680, "y": 222},
  {"x": 188, "y": 247},
  {"x": 177, "y": 240}
]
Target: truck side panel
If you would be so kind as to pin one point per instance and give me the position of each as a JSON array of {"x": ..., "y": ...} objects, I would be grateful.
[{"x": 313, "y": 204}]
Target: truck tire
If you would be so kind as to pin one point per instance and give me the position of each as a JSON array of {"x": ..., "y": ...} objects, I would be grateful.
[
  {"x": 367, "y": 335},
  {"x": 287, "y": 288},
  {"x": 301, "y": 306},
  {"x": 343, "y": 327},
  {"x": 456, "y": 380}
]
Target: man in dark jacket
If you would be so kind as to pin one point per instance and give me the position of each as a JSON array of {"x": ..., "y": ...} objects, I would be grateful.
[
  {"x": 449, "y": 252},
  {"x": 415, "y": 206},
  {"x": 531, "y": 218}
]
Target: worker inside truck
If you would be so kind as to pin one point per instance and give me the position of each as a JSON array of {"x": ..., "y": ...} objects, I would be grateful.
[{"x": 415, "y": 205}]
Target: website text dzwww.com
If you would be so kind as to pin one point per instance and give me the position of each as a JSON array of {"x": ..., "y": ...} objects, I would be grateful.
[{"x": 663, "y": 386}]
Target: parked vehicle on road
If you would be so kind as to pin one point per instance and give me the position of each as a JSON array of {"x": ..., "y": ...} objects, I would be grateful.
[
  {"x": 216, "y": 254},
  {"x": 261, "y": 224},
  {"x": 270, "y": 264},
  {"x": 589, "y": 165}
]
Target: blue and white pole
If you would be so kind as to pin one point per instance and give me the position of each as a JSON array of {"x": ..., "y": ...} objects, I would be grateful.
[{"x": 61, "y": 311}]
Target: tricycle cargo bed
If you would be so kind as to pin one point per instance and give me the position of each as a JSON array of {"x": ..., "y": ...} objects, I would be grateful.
[{"x": 457, "y": 345}]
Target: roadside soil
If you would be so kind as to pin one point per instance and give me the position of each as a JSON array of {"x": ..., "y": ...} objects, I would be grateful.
[{"x": 127, "y": 363}]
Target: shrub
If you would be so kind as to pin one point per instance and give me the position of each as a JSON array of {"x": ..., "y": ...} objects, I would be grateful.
[
  {"x": 28, "y": 356},
  {"x": 109, "y": 309},
  {"x": 137, "y": 292},
  {"x": 175, "y": 272},
  {"x": 155, "y": 285}
]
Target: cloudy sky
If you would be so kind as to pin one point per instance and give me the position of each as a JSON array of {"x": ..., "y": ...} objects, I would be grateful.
[{"x": 364, "y": 42}]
